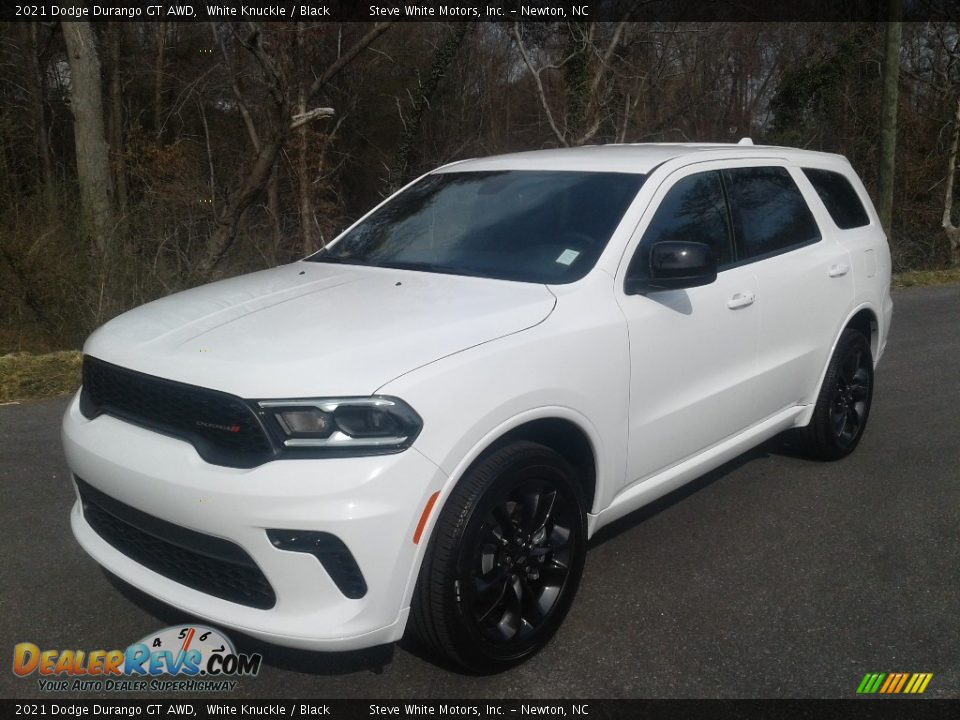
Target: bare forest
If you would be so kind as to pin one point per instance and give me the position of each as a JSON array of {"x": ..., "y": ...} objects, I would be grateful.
[{"x": 138, "y": 159}]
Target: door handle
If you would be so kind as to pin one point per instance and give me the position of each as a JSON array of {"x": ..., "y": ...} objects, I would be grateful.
[
  {"x": 838, "y": 270},
  {"x": 741, "y": 299}
]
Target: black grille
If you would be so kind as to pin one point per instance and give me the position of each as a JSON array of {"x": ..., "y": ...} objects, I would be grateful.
[
  {"x": 209, "y": 564},
  {"x": 222, "y": 427}
]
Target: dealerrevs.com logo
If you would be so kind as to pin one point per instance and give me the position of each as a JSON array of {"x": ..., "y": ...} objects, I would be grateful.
[{"x": 200, "y": 658}]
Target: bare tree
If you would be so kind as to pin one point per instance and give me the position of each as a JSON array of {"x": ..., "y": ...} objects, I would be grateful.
[
  {"x": 116, "y": 122},
  {"x": 277, "y": 124},
  {"x": 426, "y": 88},
  {"x": 93, "y": 155},
  {"x": 952, "y": 231},
  {"x": 587, "y": 96},
  {"x": 888, "y": 115},
  {"x": 161, "y": 35},
  {"x": 37, "y": 89}
]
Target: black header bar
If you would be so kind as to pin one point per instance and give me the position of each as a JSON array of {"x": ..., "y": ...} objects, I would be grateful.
[
  {"x": 203, "y": 708},
  {"x": 483, "y": 11}
]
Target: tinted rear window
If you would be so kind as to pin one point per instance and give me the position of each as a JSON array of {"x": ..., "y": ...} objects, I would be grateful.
[
  {"x": 840, "y": 198},
  {"x": 769, "y": 213}
]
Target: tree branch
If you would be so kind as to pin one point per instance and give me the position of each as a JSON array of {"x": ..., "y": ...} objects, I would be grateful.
[
  {"x": 540, "y": 91},
  {"x": 305, "y": 117},
  {"x": 347, "y": 57}
]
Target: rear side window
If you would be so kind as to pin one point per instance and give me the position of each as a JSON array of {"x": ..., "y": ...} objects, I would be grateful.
[
  {"x": 840, "y": 198},
  {"x": 694, "y": 210},
  {"x": 769, "y": 214}
]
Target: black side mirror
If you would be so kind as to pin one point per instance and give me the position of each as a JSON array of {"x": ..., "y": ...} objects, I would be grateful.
[{"x": 671, "y": 265}]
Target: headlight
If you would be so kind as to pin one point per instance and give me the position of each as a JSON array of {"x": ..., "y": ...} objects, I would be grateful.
[{"x": 341, "y": 426}]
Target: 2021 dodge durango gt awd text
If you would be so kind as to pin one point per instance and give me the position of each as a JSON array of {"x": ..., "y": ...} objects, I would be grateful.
[{"x": 423, "y": 423}]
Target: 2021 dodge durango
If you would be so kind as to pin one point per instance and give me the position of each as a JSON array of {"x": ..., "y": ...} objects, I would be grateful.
[{"x": 421, "y": 425}]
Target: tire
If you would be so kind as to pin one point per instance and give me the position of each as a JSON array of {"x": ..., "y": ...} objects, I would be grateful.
[
  {"x": 504, "y": 560},
  {"x": 843, "y": 405}
]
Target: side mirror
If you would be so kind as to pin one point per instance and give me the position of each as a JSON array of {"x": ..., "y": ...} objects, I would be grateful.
[{"x": 671, "y": 265}]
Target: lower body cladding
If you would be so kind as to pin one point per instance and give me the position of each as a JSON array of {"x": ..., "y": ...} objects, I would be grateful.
[{"x": 315, "y": 554}]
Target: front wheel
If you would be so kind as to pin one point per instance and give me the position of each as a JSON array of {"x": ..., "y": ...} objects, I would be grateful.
[
  {"x": 843, "y": 406},
  {"x": 504, "y": 561}
]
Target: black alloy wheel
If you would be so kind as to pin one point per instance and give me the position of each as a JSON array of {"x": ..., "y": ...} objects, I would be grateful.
[
  {"x": 843, "y": 405},
  {"x": 520, "y": 562},
  {"x": 851, "y": 396},
  {"x": 504, "y": 560}
]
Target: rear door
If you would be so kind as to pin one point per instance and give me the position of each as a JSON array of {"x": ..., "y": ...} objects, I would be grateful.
[{"x": 804, "y": 278}]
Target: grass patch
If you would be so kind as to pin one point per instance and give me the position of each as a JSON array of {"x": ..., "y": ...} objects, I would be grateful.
[
  {"x": 25, "y": 376},
  {"x": 925, "y": 278}
]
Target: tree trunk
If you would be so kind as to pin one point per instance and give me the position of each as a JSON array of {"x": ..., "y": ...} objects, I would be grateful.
[
  {"x": 442, "y": 60},
  {"x": 307, "y": 234},
  {"x": 116, "y": 117},
  {"x": 93, "y": 155},
  {"x": 273, "y": 206},
  {"x": 951, "y": 230},
  {"x": 158, "y": 79},
  {"x": 576, "y": 75},
  {"x": 35, "y": 77},
  {"x": 888, "y": 114},
  {"x": 228, "y": 220}
]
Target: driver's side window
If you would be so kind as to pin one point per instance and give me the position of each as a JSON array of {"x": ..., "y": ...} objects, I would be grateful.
[{"x": 694, "y": 210}]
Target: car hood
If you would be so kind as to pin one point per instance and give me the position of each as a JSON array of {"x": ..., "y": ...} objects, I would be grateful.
[{"x": 315, "y": 329}]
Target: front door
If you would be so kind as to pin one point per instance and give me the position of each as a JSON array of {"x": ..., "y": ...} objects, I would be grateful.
[{"x": 693, "y": 352}]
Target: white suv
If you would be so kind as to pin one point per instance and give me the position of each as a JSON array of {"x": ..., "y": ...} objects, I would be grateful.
[{"x": 423, "y": 423}]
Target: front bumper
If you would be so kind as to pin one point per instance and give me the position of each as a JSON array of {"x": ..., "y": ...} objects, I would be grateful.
[{"x": 372, "y": 504}]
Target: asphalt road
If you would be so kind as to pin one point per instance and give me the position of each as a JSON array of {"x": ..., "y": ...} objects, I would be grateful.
[{"x": 774, "y": 576}]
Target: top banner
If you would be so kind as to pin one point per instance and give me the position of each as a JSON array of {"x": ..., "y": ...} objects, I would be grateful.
[{"x": 485, "y": 11}]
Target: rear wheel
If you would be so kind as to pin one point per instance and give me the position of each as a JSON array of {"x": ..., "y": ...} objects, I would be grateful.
[
  {"x": 504, "y": 561},
  {"x": 843, "y": 405}
]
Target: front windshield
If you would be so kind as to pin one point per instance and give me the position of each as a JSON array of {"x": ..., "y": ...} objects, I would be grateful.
[{"x": 526, "y": 225}]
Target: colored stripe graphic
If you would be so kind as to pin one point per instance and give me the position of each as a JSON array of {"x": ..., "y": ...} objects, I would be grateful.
[
  {"x": 903, "y": 679},
  {"x": 894, "y": 683},
  {"x": 892, "y": 680}
]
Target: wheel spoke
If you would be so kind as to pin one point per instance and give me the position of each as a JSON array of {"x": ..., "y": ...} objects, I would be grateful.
[
  {"x": 532, "y": 610},
  {"x": 860, "y": 384},
  {"x": 532, "y": 499},
  {"x": 511, "y": 623},
  {"x": 855, "y": 417},
  {"x": 497, "y": 602},
  {"x": 497, "y": 576},
  {"x": 559, "y": 538},
  {"x": 544, "y": 514},
  {"x": 502, "y": 516},
  {"x": 553, "y": 573},
  {"x": 848, "y": 368},
  {"x": 838, "y": 418}
]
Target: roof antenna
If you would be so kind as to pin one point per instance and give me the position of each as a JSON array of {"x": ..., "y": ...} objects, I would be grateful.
[{"x": 745, "y": 141}]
